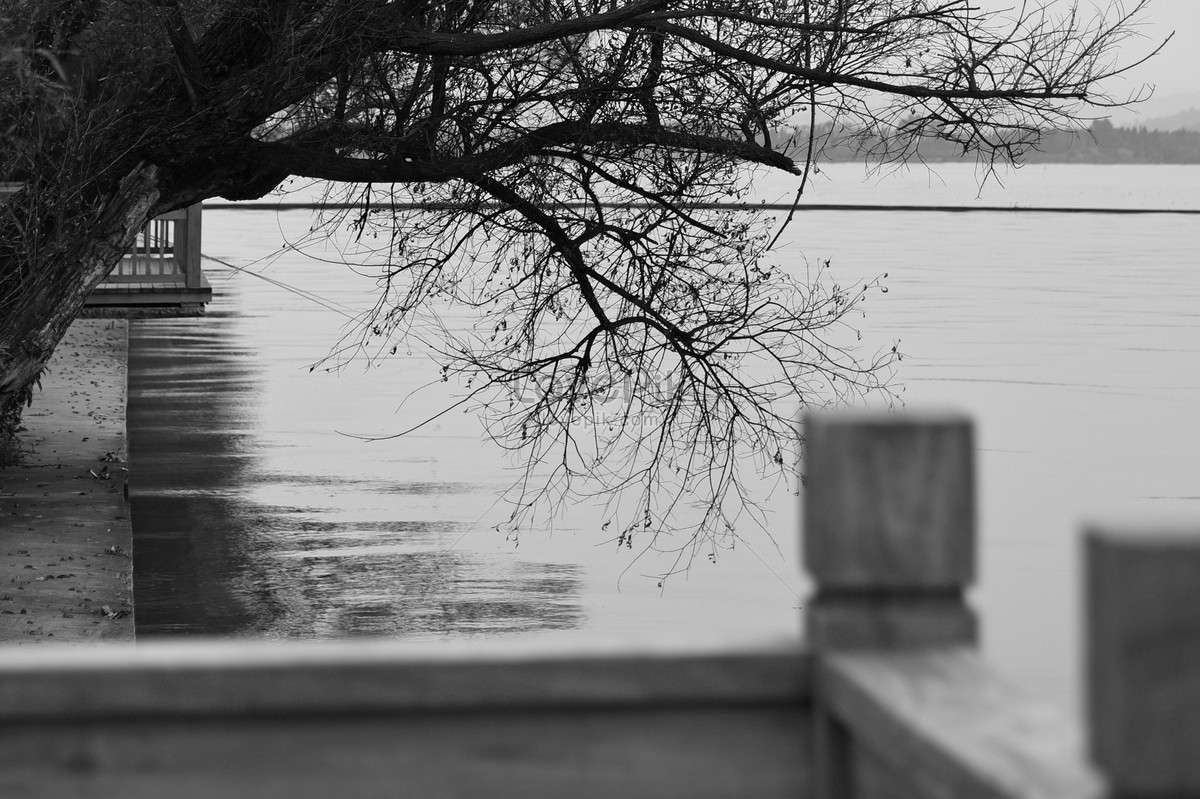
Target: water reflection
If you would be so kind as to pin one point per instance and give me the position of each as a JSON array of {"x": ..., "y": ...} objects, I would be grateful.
[
  {"x": 227, "y": 543},
  {"x": 1067, "y": 337},
  {"x": 188, "y": 445},
  {"x": 1070, "y": 339}
]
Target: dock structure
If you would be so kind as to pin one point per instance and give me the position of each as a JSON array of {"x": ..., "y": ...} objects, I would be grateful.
[
  {"x": 161, "y": 275},
  {"x": 887, "y": 698},
  {"x": 162, "y": 272}
]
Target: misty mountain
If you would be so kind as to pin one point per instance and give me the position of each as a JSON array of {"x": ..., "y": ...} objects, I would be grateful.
[
  {"x": 1168, "y": 113},
  {"x": 1184, "y": 120},
  {"x": 1102, "y": 143}
]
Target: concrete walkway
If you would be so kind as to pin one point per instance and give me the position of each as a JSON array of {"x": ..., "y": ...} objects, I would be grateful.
[{"x": 66, "y": 574}]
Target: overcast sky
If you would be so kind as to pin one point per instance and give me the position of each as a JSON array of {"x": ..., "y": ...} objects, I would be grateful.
[{"x": 1176, "y": 70}]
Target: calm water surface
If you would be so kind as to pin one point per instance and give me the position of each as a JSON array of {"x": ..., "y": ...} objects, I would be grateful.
[{"x": 1073, "y": 340}]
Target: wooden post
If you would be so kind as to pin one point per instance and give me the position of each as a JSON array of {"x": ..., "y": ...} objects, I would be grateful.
[
  {"x": 889, "y": 539},
  {"x": 187, "y": 245},
  {"x": 1143, "y": 661},
  {"x": 889, "y": 530}
]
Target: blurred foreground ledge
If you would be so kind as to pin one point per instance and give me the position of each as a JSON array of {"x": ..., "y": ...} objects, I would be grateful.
[{"x": 887, "y": 698}]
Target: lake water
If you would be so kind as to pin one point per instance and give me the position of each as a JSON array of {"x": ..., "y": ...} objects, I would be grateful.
[{"x": 1072, "y": 339}]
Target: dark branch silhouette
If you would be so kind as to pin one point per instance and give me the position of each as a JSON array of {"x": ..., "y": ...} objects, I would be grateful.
[{"x": 566, "y": 162}]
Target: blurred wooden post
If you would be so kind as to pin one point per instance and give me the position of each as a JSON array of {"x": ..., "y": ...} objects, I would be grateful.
[
  {"x": 1143, "y": 661},
  {"x": 889, "y": 539},
  {"x": 889, "y": 530}
]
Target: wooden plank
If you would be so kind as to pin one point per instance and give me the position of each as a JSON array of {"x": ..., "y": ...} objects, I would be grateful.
[
  {"x": 1143, "y": 659},
  {"x": 167, "y": 275},
  {"x": 943, "y": 722},
  {"x": 135, "y": 294}
]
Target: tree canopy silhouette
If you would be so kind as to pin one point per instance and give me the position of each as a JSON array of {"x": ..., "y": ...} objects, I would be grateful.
[{"x": 563, "y": 160}]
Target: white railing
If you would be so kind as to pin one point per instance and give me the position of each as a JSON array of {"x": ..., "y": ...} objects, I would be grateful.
[{"x": 166, "y": 250}]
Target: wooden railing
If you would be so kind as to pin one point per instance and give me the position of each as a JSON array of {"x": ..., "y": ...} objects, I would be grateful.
[
  {"x": 905, "y": 706},
  {"x": 888, "y": 698},
  {"x": 166, "y": 250}
]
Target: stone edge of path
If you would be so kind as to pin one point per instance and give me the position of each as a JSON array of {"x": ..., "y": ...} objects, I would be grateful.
[{"x": 66, "y": 538}]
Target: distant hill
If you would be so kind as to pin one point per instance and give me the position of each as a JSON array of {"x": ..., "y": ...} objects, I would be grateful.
[
  {"x": 1169, "y": 112},
  {"x": 1184, "y": 120},
  {"x": 1103, "y": 143}
]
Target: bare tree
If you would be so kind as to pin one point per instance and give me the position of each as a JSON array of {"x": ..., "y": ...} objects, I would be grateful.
[{"x": 556, "y": 165}]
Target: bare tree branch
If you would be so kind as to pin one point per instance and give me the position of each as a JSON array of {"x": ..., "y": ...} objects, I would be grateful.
[{"x": 576, "y": 173}]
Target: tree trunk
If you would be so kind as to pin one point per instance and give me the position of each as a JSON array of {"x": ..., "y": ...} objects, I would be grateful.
[{"x": 53, "y": 264}]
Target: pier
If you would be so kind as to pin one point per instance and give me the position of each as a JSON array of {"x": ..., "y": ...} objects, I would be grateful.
[
  {"x": 162, "y": 271},
  {"x": 160, "y": 275}
]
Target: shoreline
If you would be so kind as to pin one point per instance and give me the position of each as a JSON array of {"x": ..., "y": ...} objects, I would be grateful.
[{"x": 66, "y": 568}]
